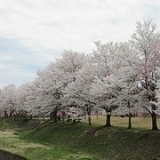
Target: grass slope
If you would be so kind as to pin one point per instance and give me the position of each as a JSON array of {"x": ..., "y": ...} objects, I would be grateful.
[
  {"x": 103, "y": 143},
  {"x": 10, "y": 141}
]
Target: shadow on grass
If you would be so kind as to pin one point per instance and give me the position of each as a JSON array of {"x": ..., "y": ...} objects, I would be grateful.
[{"x": 4, "y": 155}]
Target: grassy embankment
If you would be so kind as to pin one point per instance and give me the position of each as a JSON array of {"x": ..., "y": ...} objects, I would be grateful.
[
  {"x": 10, "y": 141},
  {"x": 81, "y": 142}
]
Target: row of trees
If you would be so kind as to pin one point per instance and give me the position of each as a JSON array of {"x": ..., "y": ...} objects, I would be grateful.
[{"x": 115, "y": 75}]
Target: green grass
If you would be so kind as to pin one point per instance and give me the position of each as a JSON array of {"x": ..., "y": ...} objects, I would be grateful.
[
  {"x": 10, "y": 141},
  {"x": 101, "y": 142},
  {"x": 48, "y": 140},
  {"x": 36, "y": 151}
]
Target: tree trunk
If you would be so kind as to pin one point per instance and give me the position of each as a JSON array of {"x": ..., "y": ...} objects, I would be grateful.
[
  {"x": 154, "y": 121},
  {"x": 63, "y": 114},
  {"x": 129, "y": 121},
  {"x": 97, "y": 115},
  {"x": 154, "y": 118},
  {"x": 10, "y": 115},
  {"x": 108, "y": 120},
  {"x": 30, "y": 117},
  {"x": 5, "y": 114},
  {"x": 55, "y": 115},
  {"x": 89, "y": 119},
  {"x": 63, "y": 120},
  {"x": 89, "y": 114}
]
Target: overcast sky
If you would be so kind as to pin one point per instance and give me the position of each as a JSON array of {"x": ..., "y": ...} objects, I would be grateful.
[{"x": 34, "y": 32}]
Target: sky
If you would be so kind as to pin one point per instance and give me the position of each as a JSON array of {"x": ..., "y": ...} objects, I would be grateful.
[{"x": 35, "y": 32}]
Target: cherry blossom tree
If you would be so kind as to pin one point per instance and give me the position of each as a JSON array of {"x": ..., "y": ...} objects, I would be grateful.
[
  {"x": 54, "y": 78},
  {"x": 48, "y": 90},
  {"x": 8, "y": 102},
  {"x": 70, "y": 63},
  {"x": 117, "y": 79},
  {"x": 105, "y": 89},
  {"x": 127, "y": 79},
  {"x": 80, "y": 89},
  {"x": 104, "y": 97},
  {"x": 146, "y": 42},
  {"x": 22, "y": 93}
]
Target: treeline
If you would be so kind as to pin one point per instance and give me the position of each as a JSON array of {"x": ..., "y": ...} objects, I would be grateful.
[{"x": 115, "y": 76}]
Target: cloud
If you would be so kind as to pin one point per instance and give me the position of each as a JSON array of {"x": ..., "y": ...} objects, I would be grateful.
[
  {"x": 19, "y": 64},
  {"x": 33, "y": 33},
  {"x": 64, "y": 24},
  {"x": 15, "y": 76}
]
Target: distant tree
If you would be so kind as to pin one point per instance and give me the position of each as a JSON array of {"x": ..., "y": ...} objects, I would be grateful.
[
  {"x": 23, "y": 92},
  {"x": 8, "y": 99}
]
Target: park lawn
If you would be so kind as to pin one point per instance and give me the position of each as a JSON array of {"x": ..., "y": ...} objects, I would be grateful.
[{"x": 143, "y": 122}]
